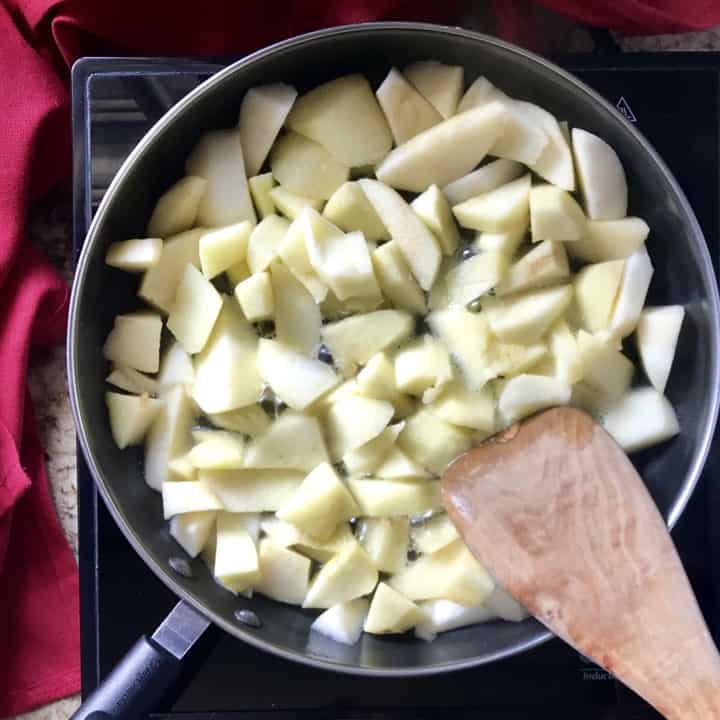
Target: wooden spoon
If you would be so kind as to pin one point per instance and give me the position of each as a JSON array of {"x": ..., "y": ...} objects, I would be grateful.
[{"x": 558, "y": 514}]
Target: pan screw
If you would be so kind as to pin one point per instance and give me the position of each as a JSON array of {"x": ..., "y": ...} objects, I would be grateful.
[
  {"x": 248, "y": 617},
  {"x": 181, "y": 566}
]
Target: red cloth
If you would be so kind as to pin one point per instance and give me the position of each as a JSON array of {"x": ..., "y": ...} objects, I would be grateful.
[{"x": 39, "y": 39}]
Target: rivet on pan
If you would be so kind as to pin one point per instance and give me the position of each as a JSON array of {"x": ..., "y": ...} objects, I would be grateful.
[
  {"x": 248, "y": 617},
  {"x": 181, "y": 566}
]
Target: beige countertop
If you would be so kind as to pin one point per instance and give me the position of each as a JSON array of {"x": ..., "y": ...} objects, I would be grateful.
[{"x": 50, "y": 227}]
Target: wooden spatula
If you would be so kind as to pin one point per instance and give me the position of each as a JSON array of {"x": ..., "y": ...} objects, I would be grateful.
[{"x": 557, "y": 513}]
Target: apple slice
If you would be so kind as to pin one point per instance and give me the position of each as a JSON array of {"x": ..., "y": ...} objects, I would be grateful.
[
  {"x": 177, "y": 208},
  {"x": 264, "y": 242},
  {"x": 526, "y": 394},
  {"x": 223, "y": 248},
  {"x": 522, "y": 139},
  {"x": 188, "y": 496},
  {"x": 396, "y": 465},
  {"x": 480, "y": 92},
  {"x": 506, "y": 242},
  {"x": 459, "y": 405},
  {"x": 396, "y": 280},
  {"x": 610, "y": 239},
  {"x": 255, "y": 296},
  {"x": 343, "y": 623},
  {"x": 433, "y": 534},
  {"x": 499, "y": 210},
  {"x": 475, "y": 277},
  {"x": 605, "y": 369},
  {"x": 290, "y": 204},
  {"x": 287, "y": 535},
  {"x": 236, "y": 565},
  {"x": 260, "y": 187},
  {"x": 284, "y": 574},
  {"x": 134, "y": 341},
  {"x": 306, "y": 167},
  {"x": 343, "y": 115},
  {"x": 633, "y": 291},
  {"x": 349, "y": 209},
  {"x": 641, "y": 418},
  {"x": 596, "y": 289},
  {"x": 390, "y": 612},
  {"x": 134, "y": 255},
  {"x": 422, "y": 364},
  {"x": 252, "y": 490},
  {"x": 218, "y": 157},
  {"x": 445, "y": 152},
  {"x": 657, "y": 337},
  {"x": 434, "y": 211},
  {"x": 192, "y": 530},
  {"x": 250, "y": 420},
  {"x": 555, "y": 215},
  {"x": 506, "y": 607},
  {"x": 386, "y": 541},
  {"x": 440, "y": 84},
  {"x": 566, "y": 359},
  {"x": 545, "y": 264},
  {"x": 295, "y": 378},
  {"x": 135, "y": 382},
  {"x": 222, "y": 451},
  {"x": 601, "y": 175},
  {"x": 130, "y": 417},
  {"x": 262, "y": 113},
  {"x": 392, "y": 498},
  {"x": 406, "y": 110},
  {"x": 365, "y": 459},
  {"x": 484, "y": 179},
  {"x": 443, "y": 615},
  {"x": 419, "y": 246},
  {"x": 354, "y": 420}
]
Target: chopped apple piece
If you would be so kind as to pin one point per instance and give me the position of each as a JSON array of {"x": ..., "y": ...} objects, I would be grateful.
[
  {"x": 222, "y": 248},
  {"x": 236, "y": 565},
  {"x": 390, "y": 498},
  {"x": 169, "y": 436},
  {"x": 159, "y": 283},
  {"x": 633, "y": 291},
  {"x": 182, "y": 468},
  {"x": 264, "y": 242},
  {"x": 345, "y": 118},
  {"x": 195, "y": 310},
  {"x": 237, "y": 273},
  {"x": 506, "y": 242},
  {"x": 434, "y": 211},
  {"x": 406, "y": 110},
  {"x": 255, "y": 296},
  {"x": 440, "y": 84},
  {"x": 135, "y": 382},
  {"x": 260, "y": 187},
  {"x": 390, "y": 612},
  {"x": 354, "y": 340},
  {"x": 262, "y": 113},
  {"x": 443, "y": 615},
  {"x": 293, "y": 441},
  {"x": 641, "y": 418},
  {"x": 306, "y": 167},
  {"x": 451, "y": 573},
  {"x": 417, "y": 243},
  {"x": 601, "y": 175},
  {"x": 284, "y": 574},
  {"x": 286, "y": 535},
  {"x": 500, "y": 603},
  {"x": 610, "y": 239},
  {"x": 398, "y": 466},
  {"x": 480, "y": 92},
  {"x": 251, "y": 490},
  {"x": 596, "y": 288},
  {"x": 431, "y": 441},
  {"x": 290, "y": 204},
  {"x": 475, "y": 277},
  {"x": 192, "y": 530},
  {"x": 343, "y": 622},
  {"x": 250, "y": 420},
  {"x": 385, "y": 541},
  {"x": 134, "y": 255},
  {"x": 218, "y": 157},
  {"x": 350, "y": 210},
  {"x": 605, "y": 368},
  {"x": 365, "y": 459},
  {"x": 565, "y": 354},
  {"x": 354, "y": 420},
  {"x": 395, "y": 279},
  {"x": 522, "y": 139},
  {"x": 176, "y": 367},
  {"x": 134, "y": 341},
  {"x": 422, "y": 364},
  {"x": 434, "y": 534},
  {"x": 444, "y": 152},
  {"x": 223, "y": 451},
  {"x": 177, "y": 208},
  {"x": 555, "y": 215},
  {"x": 226, "y": 374},
  {"x": 545, "y": 264},
  {"x": 130, "y": 417},
  {"x": 483, "y": 180},
  {"x": 348, "y": 575},
  {"x": 459, "y": 405},
  {"x": 657, "y": 336},
  {"x": 526, "y": 394},
  {"x": 499, "y": 210},
  {"x": 185, "y": 497}
]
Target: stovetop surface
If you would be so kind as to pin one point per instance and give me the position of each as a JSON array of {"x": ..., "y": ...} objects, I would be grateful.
[{"x": 674, "y": 100}]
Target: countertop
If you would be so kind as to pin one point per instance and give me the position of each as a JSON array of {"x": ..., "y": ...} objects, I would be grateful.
[{"x": 50, "y": 228}]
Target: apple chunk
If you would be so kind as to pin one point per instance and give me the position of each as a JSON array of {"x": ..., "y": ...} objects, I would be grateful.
[
  {"x": 264, "y": 241},
  {"x": 392, "y": 498},
  {"x": 545, "y": 264},
  {"x": 434, "y": 211},
  {"x": 395, "y": 279},
  {"x": 433, "y": 534},
  {"x": 440, "y": 84},
  {"x": 444, "y": 615},
  {"x": 631, "y": 297},
  {"x": 354, "y": 420},
  {"x": 657, "y": 336},
  {"x": 284, "y": 574},
  {"x": 134, "y": 341},
  {"x": 222, "y": 248},
  {"x": 188, "y": 496},
  {"x": 251, "y": 490},
  {"x": 177, "y": 208},
  {"x": 605, "y": 369},
  {"x": 130, "y": 417},
  {"x": 596, "y": 288},
  {"x": 390, "y": 612},
  {"x": 526, "y": 394},
  {"x": 610, "y": 239},
  {"x": 385, "y": 541},
  {"x": 343, "y": 622},
  {"x": 236, "y": 563},
  {"x": 260, "y": 187},
  {"x": 475, "y": 277},
  {"x": 555, "y": 215},
  {"x": 134, "y": 255},
  {"x": 499, "y": 210},
  {"x": 486, "y": 178},
  {"x": 349, "y": 209},
  {"x": 192, "y": 530},
  {"x": 255, "y": 296},
  {"x": 291, "y": 204}
]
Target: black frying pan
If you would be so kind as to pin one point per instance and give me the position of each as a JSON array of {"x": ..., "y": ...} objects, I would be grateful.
[{"x": 683, "y": 274}]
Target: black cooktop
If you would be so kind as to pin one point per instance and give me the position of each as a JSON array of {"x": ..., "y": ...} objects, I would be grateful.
[{"x": 674, "y": 100}]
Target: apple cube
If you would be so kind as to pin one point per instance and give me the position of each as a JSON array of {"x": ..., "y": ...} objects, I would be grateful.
[
  {"x": 422, "y": 364},
  {"x": 565, "y": 354},
  {"x": 176, "y": 367},
  {"x": 459, "y": 405},
  {"x": 476, "y": 276},
  {"x": 445, "y": 152},
  {"x": 417, "y": 243},
  {"x": 605, "y": 368},
  {"x": 349, "y": 209},
  {"x": 284, "y": 574},
  {"x": 434, "y": 211},
  {"x": 486, "y": 178},
  {"x": 506, "y": 242},
  {"x": 195, "y": 310},
  {"x": 291, "y": 204},
  {"x": 264, "y": 242},
  {"x": 343, "y": 622},
  {"x": 500, "y": 603},
  {"x": 134, "y": 341},
  {"x": 134, "y": 255},
  {"x": 346, "y": 576},
  {"x": 262, "y": 113},
  {"x": 177, "y": 208},
  {"x": 130, "y": 417},
  {"x": 236, "y": 565},
  {"x": 396, "y": 280},
  {"x": 386, "y": 542},
  {"x": 555, "y": 215},
  {"x": 365, "y": 459},
  {"x": 250, "y": 420},
  {"x": 192, "y": 530},
  {"x": 433, "y": 442},
  {"x": 440, "y": 84},
  {"x": 286, "y": 535},
  {"x": 294, "y": 441},
  {"x": 260, "y": 187},
  {"x": 443, "y": 615},
  {"x": 434, "y": 534},
  {"x": 601, "y": 175},
  {"x": 545, "y": 264},
  {"x": 406, "y": 110},
  {"x": 218, "y": 157},
  {"x": 390, "y": 498},
  {"x": 390, "y": 612},
  {"x": 135, "y": 382},
  {"x": 251, "y": 490},
  {"x": 255, "y": 296},
  {"x": 396, "y": 465},
  {"x": 633, "y": 291},
  {"x": 185, "y": 497},
  {"x": 222, "y": 451},
  {"x": 657, "y": 336},
  {"x": 526, "y": 394},
  {"x": 596, "y": 288},
  {"x": 610, "y": 239},
  {"x": 221, "y": 249},
  {"x": 498, "y": 210},
  {"x": 354, "y": 420}
]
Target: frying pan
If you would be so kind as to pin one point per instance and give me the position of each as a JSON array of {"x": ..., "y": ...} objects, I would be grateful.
[{"x": 683, "y": 274}]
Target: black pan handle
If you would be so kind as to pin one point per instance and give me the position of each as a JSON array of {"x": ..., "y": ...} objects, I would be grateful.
[{"x": 148, "y": 670}]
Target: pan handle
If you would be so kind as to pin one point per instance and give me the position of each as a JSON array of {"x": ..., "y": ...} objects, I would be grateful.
[{"x": 141, "y": 679}]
